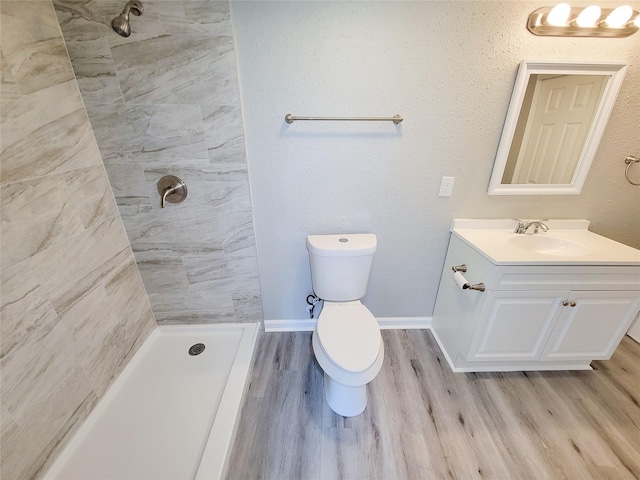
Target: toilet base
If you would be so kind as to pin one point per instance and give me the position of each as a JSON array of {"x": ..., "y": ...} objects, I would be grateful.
[{"x": 343, "y": 399}]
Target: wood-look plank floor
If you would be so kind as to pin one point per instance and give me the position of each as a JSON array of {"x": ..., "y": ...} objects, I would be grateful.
[{"x": 425, "y": 422}]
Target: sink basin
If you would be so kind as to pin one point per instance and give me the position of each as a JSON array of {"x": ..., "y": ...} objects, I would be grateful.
[
  {"x": 549, "y": 245},
  {"x": 568, "y": 242}
]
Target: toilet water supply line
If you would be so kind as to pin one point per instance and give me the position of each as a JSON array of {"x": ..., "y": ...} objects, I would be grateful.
[{"x": 312, "y": 301}]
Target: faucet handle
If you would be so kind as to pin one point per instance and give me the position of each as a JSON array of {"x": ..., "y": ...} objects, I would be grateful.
[{"x": 520, "y": 228}]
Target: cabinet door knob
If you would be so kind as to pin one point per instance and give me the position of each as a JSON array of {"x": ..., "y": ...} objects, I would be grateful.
[
  {"x": 573, "y": 304},
  {"x": 565, "y": 303}
]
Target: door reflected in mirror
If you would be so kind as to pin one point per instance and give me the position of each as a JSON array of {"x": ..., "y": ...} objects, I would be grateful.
[{"x": 557, "y": 115}]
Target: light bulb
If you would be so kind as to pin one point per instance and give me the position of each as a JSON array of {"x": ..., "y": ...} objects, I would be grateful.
[
  {"x": 558, "y": 16},
  {"x": 589, "y": 16},
  {"x": 636, "y": 22},
  {"x": 619, "y": 17}
]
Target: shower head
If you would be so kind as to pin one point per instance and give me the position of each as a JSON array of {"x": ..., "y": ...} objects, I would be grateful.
[{"x": 120, "y": 24}]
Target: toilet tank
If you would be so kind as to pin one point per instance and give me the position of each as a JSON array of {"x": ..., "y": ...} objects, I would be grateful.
[{"x": 340, "y": 265}]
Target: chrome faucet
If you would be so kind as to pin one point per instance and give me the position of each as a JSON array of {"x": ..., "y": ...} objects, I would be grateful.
[
  {"x": 522, "y": 227},
  {"x": 536, "y": 225}
]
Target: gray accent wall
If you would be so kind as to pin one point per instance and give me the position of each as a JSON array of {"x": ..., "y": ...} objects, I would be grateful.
[
  {"x": 166, "y": 101},
  {"x": 449, "y": 67},
  {"x": 72, "y": 304}
]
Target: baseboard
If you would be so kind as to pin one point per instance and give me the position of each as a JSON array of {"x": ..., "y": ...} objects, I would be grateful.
[
  {"x": 404, "y": 323},
  {"x": 289, "y": 325},
  {"x": 386, "y": 323}
]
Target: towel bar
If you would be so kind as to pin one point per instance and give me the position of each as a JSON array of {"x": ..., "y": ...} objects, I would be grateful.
[{"x": 290, "y": 118}]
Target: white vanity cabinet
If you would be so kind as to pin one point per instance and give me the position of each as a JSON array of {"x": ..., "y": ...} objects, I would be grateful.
[
  {"x": 592, "y": 325},
  {"x": 514, "y": 326},
  {"x": 552, "y": 326},
  {"x": 536, "y": 316}
]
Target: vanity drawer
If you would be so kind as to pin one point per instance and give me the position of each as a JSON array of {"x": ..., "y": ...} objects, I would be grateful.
[{"x": 552, "y": 278}]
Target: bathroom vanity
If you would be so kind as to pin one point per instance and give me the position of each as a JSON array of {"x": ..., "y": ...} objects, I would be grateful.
[{"x": 552, "y": 300}]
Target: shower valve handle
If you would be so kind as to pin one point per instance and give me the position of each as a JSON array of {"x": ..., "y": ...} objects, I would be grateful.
[{"x": 171, "y": 189}]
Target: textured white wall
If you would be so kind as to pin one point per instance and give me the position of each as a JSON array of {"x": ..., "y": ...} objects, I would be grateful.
[{"x": 449, "y": 68}]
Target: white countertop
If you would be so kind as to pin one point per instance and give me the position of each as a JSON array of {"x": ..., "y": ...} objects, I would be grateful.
[{"x": 495, "y": 240}]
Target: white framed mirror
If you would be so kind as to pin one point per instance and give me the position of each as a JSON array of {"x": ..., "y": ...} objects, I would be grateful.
[{"x": 556, "y": 118}]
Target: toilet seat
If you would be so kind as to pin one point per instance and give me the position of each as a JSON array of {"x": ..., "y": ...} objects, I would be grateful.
[{"x": 349, "y": 336}]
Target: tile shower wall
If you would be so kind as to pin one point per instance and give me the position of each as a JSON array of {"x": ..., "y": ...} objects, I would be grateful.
[
  {"x": 166, "y": 101},
  {"x": 73, "y": 306}
]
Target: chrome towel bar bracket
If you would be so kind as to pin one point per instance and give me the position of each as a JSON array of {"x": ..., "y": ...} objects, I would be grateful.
[{"x": 290, "y": 118}]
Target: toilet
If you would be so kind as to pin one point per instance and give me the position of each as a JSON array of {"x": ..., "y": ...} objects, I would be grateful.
[{"x": 346, "y": 341}]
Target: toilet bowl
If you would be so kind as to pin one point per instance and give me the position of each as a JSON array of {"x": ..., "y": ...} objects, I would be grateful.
[
  {"x": 346, "y": 341},
  {"x": 348, "y": 346}
]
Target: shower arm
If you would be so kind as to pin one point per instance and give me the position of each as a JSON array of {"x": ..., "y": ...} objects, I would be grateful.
[{"x": 135, "y": 7}]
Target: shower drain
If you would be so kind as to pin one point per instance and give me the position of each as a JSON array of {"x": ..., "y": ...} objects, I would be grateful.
[{"x": 196, "y": 349}]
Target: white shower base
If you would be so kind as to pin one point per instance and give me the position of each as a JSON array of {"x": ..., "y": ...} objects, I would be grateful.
[{"x": 169, "y": 415}]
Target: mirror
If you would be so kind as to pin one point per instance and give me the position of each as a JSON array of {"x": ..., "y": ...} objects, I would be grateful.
[{"x": 556, "y": 118}]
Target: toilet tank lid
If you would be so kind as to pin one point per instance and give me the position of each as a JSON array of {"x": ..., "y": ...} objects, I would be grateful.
[{"x": 342, "y": 245}]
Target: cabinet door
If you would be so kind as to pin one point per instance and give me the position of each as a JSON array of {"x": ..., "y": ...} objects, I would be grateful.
[
  {"x": 592, "y": 325},
  {"x": 515, "y": 325}
]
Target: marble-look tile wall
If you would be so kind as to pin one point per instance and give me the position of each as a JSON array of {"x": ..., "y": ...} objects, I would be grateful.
[
  {"x": 72, "y": 302},
  {"x": 165, "y": 101}
]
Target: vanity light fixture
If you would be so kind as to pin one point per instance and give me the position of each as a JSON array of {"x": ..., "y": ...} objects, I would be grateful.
[
  {"x": 559, "y": 15},
  {"x": 592, "y": 21},
  {"x": 619, "y": 17},
  {"x": 588, "y": 18}
]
